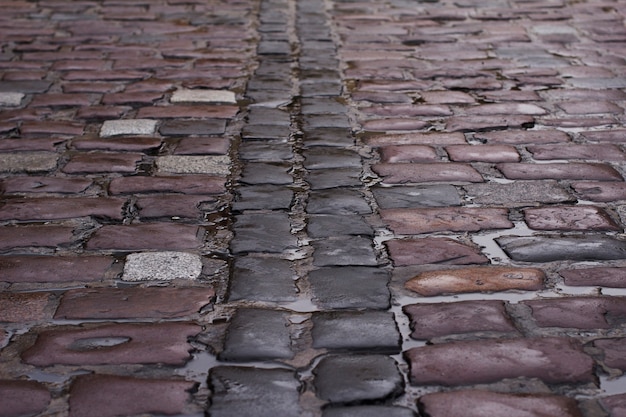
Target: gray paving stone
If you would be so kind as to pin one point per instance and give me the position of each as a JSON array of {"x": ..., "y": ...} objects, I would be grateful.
[
  {"x": 266, "y": 150},
  {"x": 260, "y": 117},
  {"x": 255, "y": 335},
  {"x": 328, "y": 137},
  {"x": 11, "y": 99},
  {"x": 322, "y": 105},
  {"x": 253, "y": 392},
  {"x": 548, "y": 249},
  {"x": 417, "y": 196},
  {"x": 324, "y": 157},
  {"x": 363, "y": 331},
  {"x": 331, "y": 178},
  {"x": 519, "y": 193},
  {"x": 193, "y": 127},
  {"x": 194, "y": 164},
  {"x": 263, "y": 279},
  {"x": 350, "y": 287},
  {"x": 347, "y": 379},
  {"x": 128, "y": 127},
  {"x": 162, "y": 266},
  {"x": 203, "y": 96},
  {"x": 262, "y": 197},
  {"x": 266, "y": 173},
  {"x": 326, "y": 225},
  {"x": 335, "y": 201},
  {"x": 26, "y": 86},
  {"x": 268, "y": 232},
  {"x": 28, "y": 162},
  {"x": 368, "y": 411},
  {"x": 252, "y": 132},
  {"x": 343, "y": 251}
]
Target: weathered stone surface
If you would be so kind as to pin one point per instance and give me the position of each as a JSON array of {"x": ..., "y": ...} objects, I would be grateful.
[
  {"x": 427, "y": 220},
  {"x": 94, "y": 162},
  {"x": 432, "y": 138},
  {"x": 23, "y": 398},
  {"x": 482, "y": 153},
  {"x": 162, "y": 266},
  {"x": 570, "y": 218},
  {"x": 334, "y": 201},
  {"x": 415, "y": 173},
  {"x": 28, "y": 162},
  {"x": 615, "y": 404},
  {"x": 21, "y": 307},
  {"x": 54, "y": 268},
  {"x": 128, "y": 127},
  {"x": 35, "y": 184},
  {"x": 176, "y": 127},
  {"x": 547, "y": 248},
  {"x": 266, "y": 173},
  {"x": 553, "y": 360},
  {"x": 265, "y": 150},
  {"x": 614, "y": 351},
  {"x": 559, "y": 171},
  {"x": 602, "y": 276},
  {"x": 477, "y": 279},
  {"x": 416, "y": 196},
  {"x": 327, "y": 225},
  {"x": 194, "y": 164},
  {"x": 408, "y": 153},
  {"x": 262, "y": 233},
  {"x": 320, "y": 179},
  {"x": 347, "y": 379},
  {"x": 578, "y": 312},
  {"x": 173, "y": 207},
  {"x": 520, "y": 137},
  {"x": 25, "y": 236},
  {"x": 262, "y": 197},
  {"x": 165, "y": 236},
  {"x": 594, "y": 152},
  {"x": 326, "y": 157},
  {"x": 482, "y": 123},
  {"x": 53, "y": 208},
  {"x": 203, "y": 96},
  {"x": 202, "y": 146},
  {"x": 518, "y": 193},
  {"x": 368, "y": 411},
  {"x": 433, "y": 251},
  {"x": 350, "y": 287},
  {"x": 342, "y": 251},
  {"x": 601, "y": 191},
  {"x": 188, "y": 184},
  {"x": 365, "y": 331},
  {"x": 263, "y": 279}
]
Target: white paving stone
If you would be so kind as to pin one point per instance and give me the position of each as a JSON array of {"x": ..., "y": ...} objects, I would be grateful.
[
  {"x": 194, "y": 164},
  {"x": 11, "y": 99},
  {"x": 161, "y": 266},
  {"x": 203, "y": 96},
  {"x": 128, "y": 127}
]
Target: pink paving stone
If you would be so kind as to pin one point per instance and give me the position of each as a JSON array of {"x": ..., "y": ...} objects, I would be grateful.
[
  {"x": 615, "y": 404},
  {"x": 602, "y": 276},
  {"x": 407, "y": 110},
  {"x": 61, "y": 100},
  {"x": 482, "y": 153},
  {"x": 617, "y": 135},
  {"x": 102, "y": 162},
  {"x": 468, "y": 403},
  {"x": 16, "y": 269},
  {"x": 590, "y": 107},
  {"x": 52, "y": 128},
  {"x": 132, "y": 98},
  {"x": 456, "y": 219},
  {"x": 569, "y": 218},
  {"x": 480, "y": 123},
  {"x": 133, "y": 303},
  {"x": 510, "y": 95},
  {"x": 579, "y": 312},
  {"x": 552, "y": 360},
  {"x": 185, "y": 206},
  {"x": 44, "y": 185},
  {"x": 56, "y": 208},
  {"x": 408, "y": 153},
  {"x": 447, "y": 97},
  {"x": 102, "y": 112},
  {"x": 23, "y": 398},
  {"x": 202, "y": 146},
  {"x": 380, "y": 97},
  {"x": 117, "y": 144},
  {"x": 603, "y": 152},
  {"x": 24, "y": 236},
  {"x": 145, "y": 237},
  {"x": 559, "y": 171},
  {"x": 47, "y": 144},
  {"x": 601, "y": 191},
  {"x": 433, "y": 172},
  {"x": 394, "y": 124},
  {"x": 21, "y": 307},
  {"x": 113, "y": 344},
  {"x": 440, "y": 139},
  {"x": 521, "y": 137},
  {"x": 476, "y": 279},
  {"x": 188, "y": 184},
  {"x": 114, "y": 396},
  {"x": 198, "y": 111},
  {"x": 433, "y": 251},
  {"x": 506, "y": 108},
  {"x": 614, "y": 352},
  {"x": 443, "y": 319}
]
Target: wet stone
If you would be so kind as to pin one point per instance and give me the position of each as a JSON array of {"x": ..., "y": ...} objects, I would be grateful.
[
  {"x": 348, "y": 379},
  {"x": 194, "y": 164},
  {"x": 254, "y": 132},
  {"x": 578, "y": 312},
  {"x": 336, "y": 137},
  {"x": 327, "y": 225},
  {"x": 23, "y": 398},
  {"x": 570, "y": 218},
  {"x": 597, "y": 152},
  {"x": 147, "y": 236},
  {"x": 255, "y": 173},
  {"x": 137, "y": 144},
  {"x": 408, "y": 153},
  {"x": 331, "y": 178},
  {"x": 268, "y": 232},
  {"x": 587, "y": 277},
  {"x": 253, "y": 392},
  {"x": 203, "y": 96},
  {"x": 343, "y": 251},
  {"x": 602, "y": 192},
  {"x": 559, "y": 171},
  {"x": 326, "y": 157},
  {"x": 53, "y": 208},
  {"x": 363, "y": 331},
  {"x": 615, "y": 404},
  {"x": 518, "y": 193},
  {"x": 128, "y": 127},
  {"x": 162, "y": 266},
  {"x": 267, "y": 117},
  {"x": 255, "y": 334},
  {"x": 433, "y": 251},
  {"x": 54, "y": 269},
  {"x": 521, "y": 137},
  {"x": 173, "y": 206},
  {"x": 265, "y": 150},
  {"x": 614, "y": 352},
  {"x": 416, "y": 196},
  {"x": 28, "y": 162},
  {"x": 402, "y": 173},
  {"x": 23, "y": 307},
  {"x": 368, "y": 411},
  {"x": 193, "y": 127},
  {"x": 262, "y": 197},
  {"x": 202, "y": 146},
  {"x": 188, "y": 184},
  {"x": 548, "y": 249},
  {"x": 321, "y": 105},
  {"x": 102, "y": 162},
  {"x": 262, "y": 279},
  {"x": 336, "y": 201}
]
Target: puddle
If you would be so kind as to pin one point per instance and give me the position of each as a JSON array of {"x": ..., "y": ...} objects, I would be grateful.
[
  {"x": 612, "y": 386},
  {"x": 493, "y": 251}
]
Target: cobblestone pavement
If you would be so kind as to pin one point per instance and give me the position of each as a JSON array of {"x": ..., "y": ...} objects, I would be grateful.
[{"x": 330, "y": 208}]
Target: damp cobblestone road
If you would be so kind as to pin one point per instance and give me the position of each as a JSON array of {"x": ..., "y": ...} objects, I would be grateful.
[{"x": 322, "y": 208}]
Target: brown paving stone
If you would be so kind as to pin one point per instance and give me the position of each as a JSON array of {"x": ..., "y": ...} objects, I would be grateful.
[
  {"x": 54, "y": 268},
  {"x": 23, "y": 398},
  {"x": 476, "y": 279},
  {"x": 186, "y": 206},
  {"x": 482, "y": 123},
  {"x": 578, "y": 312},
  {"x": 604, "y": 152},
  {"x": 415, "y": 172},
  {"x": 24, "y": 236},
  {"x": 552, "y": 360},
  {"x": 145, "y": 236},
  {"x": 44, "y": 185},
  {"x": 20, "y": 307},
  {"x": 114, "y": 396},
  {"x": 416, "y": 139},
  {"x": 559, "y": 171},
  {"x": 408, "y": 153},
  {"x": 601, "y": 191},
  {"x": 53, "y": 208},
  {"x": 482, "y": 153},
  {"x": 569, "y": 218},
  {"x": 188, "y": 184},
  {"x": 102, "y": 162},
  {"x": 602, "y": 276},
  {"x": 457, "y": 219},
  {"x": 52, "y": 128},
  {"x": 486, "y": 403},
  {"x": 43, "y": 144},
  {"x": 202, "y": 146},
  {"x": 442, "y": 319},
  {"x": 521, "y": 137},
  {"x": 614, "y": 351},
  {"x": 127, "y": 144},
  {"x": 102, "y": 112},
  {"x": 433, "y": 251},
  {"x": 133, "y": 302},
  {"x": 174, "y": 112},
  {"x": 113, "y": 344}
]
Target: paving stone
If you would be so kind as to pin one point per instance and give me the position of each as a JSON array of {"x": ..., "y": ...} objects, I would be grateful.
[
  {"x": 336, "y": 201},
  {"x": 148, "y": 236},
  {"x": 433, "y": 251},
  {"x": 266, "y": 150},
  {"x": 205, "y": 127},
  {"x": 113, "y": 344},
  {"x": 254, "y": 392},
  {"x": 613, "y": 352},
  {"x": 188, "y": 184},
  {"x": 484, "y": 123},
  {"x": 522, "y": 137},
  {"x": 97, "y": 162},
  {"x": 408, "y": 153},
  {"x": 325, "y": 158},
  {"x": 194, "y": 164},
  {"x": 53, "y": 208},
  {"x": 569, "y": 218},
  {"x": 28, "y": 162},
  {"x": 476, "y": 279},
  {"x": 327, "y": 225},
  {"x": 601, "y": 276},
  {"x": 462, "y": 317},
  {"x": 139, "y": 144},
  {"x": 8, "y": 99},
  {"x": 21, "y": 307},
  {"x": 205, "y": 111},
  {"x": 599, "y": 191},
  {"x": 268, "y": 232},
  {"x": 133, "y": 302},
  {"x": 462, "y": 219},
  {"x": 264, "y": 131},
  {"x": 51, "y": 128},
  {"x": 617, "y": 135},
  {"x": 332, "y": 178},
  {"x": 128, "y": 127},
  {"x": 256, "y": 173},
  {"x": 262, "y": 197},
  {"x": 416, "y": 196},
  {"x": 340, "y": 138},
  {"x": 173, "y": 206},
  {"x": 482, "y": 153},
  {"x": 202, "y": 146},
  {"x": 263, "y": 279},
  {"x": 552, "y": 360},
  {"x": 114, "y": 395},
  {"x": 407, "y": 110},
  {"x": 259, "y": 117},
  {"x": 615, "y": 404},
  {"x": 348, "y": 379},
  {"x": 368, "y": 411},
  {"x": 54, "y": 269},
  {"x": 548, "y": 249},
  {"x": 35, "y": 144},
  {"x": 578, "y": 312},
  {"x": 25, "y": 236},
  {"x": 255, "y": 334},
  {"x": 559, "y": 171},
  {"x": 343, "y": 251},
  {"x": 480, "y": 403},
  {"x": 394, "y": 124},
  {"x": 25, "y": 86},
  {"x": 162, "y": 266},
  {"x": 203, "y": 96},
  {"x": 437, "y": 138},
  {"x": 364, "y": 331},
  {"x": 402, "y": 173},
  {"x": 598, "y": 152},
  {"x": 518, "y": 193},
  {"x": 23, "y": 398}
]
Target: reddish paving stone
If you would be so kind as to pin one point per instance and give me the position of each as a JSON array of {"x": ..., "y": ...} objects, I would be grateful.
[
  {"x": 447, "y": 97},
  {"x": 102, "y": 162},
  {"x": 202, "y": 146},
  {"x": 23, "y": 398},
  {"x": 15, "y": 185},
  {"x": 614, "y": 404},
  {"x": 188, "y": 184},
  {"x": 132, "y": 98},
  {"x": 440, "y": 139},
  {"x": 614, "y": 351},
  {"x": 443, "y": 319},
  {"x": 476, "y": 279},
  {"x": 24, "y": 236},
  {"x": 604, "y": 152},
  {"x": 102, "y": 112},
  {"x": 433, "y": 251},
  {"x": 195, "y": 111},
  {"x": 457, "y": 219},
  {"x": 407, "y": 110},
  {"x": 145, "y": 236},
  {"x": 394, "y": 124},
  {"x": 602, "y": 276},
  {"x": 54, "y": 268},
  {"x": 431, "y": 172},
  {"x": 617, "y": 135},
  {"x": 599, "y": 191},
  {"x": 61, "y": 100},
  {"x": 53, "y": 208},
  {"x": 481, "y": 123},
  {"x": 43, "y": 144},
  {"x": 408, "y": 153},
  {"x": 485, "y": 403},
  {"x": 20, "y": 307},
  {"x": 569, "y": 218},
  {"x": 482, "y": 153},
  {"x": 552, "y": 360},
  {"x": 133, "y": 303},
  {"x": 113, "y": 344},
  {"x": 522, "y": 137},
  {"x": 506, "y": 108},
  {"x": 186, "y": 206},
  {"x": 52, "y": 128},
  {"x": 114, "y": 396},
  {"x": 559, "y": 171},
  {"x": 81, "y": 75},
  {"x": 509, "y": 95},
  {"x": 578, "y": 312},
  {"x": 587, "y": 107},
  {"x": 127, "y": 144},
  {"x": 573, "y": 122}
]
